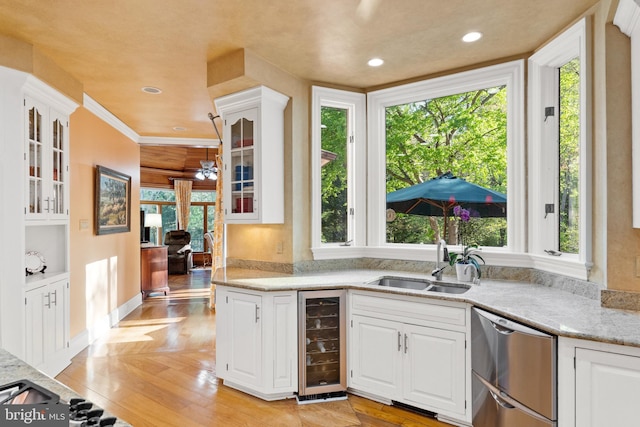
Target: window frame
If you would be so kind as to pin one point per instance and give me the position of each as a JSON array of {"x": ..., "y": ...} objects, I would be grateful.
[
  {"x": 510, "y": 74},
  {"x": 543, "y": 82},
  {"x": 160, "y": 204},
  {"x": 355, "y": 104}
]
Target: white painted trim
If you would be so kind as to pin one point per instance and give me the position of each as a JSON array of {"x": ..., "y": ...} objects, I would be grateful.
[
  {"x": 510, "y": 74},
  {"x": 102, "y": 326},
  {"x": 49, "y": 96},
  {"x": 104, "y": 114},
  {"x": 339, "y": 252},
  {"x": 627, "y": 16},
  {"x": 125, "y": 309},
  {"x": 190, "y": 142},
  {"x": 78, "y": 343},
  {"x": 355, "y": 104},
  {"x": 575, "y": 42}
]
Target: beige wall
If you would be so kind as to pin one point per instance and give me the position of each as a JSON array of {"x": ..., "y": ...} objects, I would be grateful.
[
  {"x": 105, "y": 269},
  {"x": 243, "y": 70},
  {"x": 622, "y": 240}
]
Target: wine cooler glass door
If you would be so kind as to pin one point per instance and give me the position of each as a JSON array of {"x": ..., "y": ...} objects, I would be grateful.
[{"x": 322, "y": 342}]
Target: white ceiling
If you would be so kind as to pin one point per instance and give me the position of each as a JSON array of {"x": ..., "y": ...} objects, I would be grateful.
[{"x": 115, "y": 47}]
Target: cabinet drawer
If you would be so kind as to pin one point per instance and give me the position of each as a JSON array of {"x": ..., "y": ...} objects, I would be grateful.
[{"x": 424, "y": 309}]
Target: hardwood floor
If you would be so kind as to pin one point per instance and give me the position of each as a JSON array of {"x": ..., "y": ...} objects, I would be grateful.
[{"x": 157, "y": 368}]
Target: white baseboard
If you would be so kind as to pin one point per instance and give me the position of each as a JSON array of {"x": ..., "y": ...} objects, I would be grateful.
[{"x": 102, "y": 326}]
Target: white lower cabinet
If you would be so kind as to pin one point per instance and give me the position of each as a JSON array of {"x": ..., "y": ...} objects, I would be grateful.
[
  {"x": 256, "y": 341},
  {"x": 375, "y": 354},
  {"x": 420, "y": 361},
  {"x": 434, "y": 368},
  {"x": 245, "y": 346},
  {"x": 47, "y": 327},
  {"x": 598, "y": 384}
]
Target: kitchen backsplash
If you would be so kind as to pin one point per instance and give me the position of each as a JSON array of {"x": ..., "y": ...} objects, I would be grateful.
[{"x": 528, "y": 275}]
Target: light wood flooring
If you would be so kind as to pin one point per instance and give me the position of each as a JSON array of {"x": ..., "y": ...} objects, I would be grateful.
[{"x": 157, "y": 367}]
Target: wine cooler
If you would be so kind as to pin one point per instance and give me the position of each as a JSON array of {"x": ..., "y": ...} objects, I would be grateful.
[{"x": 322, "y": 329}]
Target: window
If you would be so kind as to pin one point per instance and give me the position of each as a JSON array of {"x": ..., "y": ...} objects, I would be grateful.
[
  {"x": 560, "y": 154},
  {"x": 463, "y": 133},
  {"x": 338, "y": 170},
  {"x": 569, "y": 157},
  {"x": 202, "y": 213},
  {"x": 469, "y": 123}
]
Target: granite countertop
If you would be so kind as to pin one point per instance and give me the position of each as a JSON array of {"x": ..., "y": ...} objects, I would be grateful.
[
  {"x": 13, "y": 369},
  {"x": 547, "y": 308}
]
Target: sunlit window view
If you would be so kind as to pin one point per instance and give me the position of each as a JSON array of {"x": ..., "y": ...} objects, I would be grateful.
[
  {"x": 569, "y": 157},
  {"x": 459, "y": 144},
  {"x": 334, "y": 174},
  {"x": 163, "y": 202}
]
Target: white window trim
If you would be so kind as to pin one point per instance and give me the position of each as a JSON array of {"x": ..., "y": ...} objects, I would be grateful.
[
  {"x": 355, "y": 104},
  {"x": 572, "y": 43},
  {"x": 510, "y": 74}
]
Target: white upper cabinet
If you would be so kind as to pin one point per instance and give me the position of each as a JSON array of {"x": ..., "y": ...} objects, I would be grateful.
[
  {"x": 253, "y": 156},
  {"x": 46, "y": 136}
]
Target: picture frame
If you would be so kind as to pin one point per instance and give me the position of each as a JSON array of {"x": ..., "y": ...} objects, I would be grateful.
[{"x": 112, "y": 201}]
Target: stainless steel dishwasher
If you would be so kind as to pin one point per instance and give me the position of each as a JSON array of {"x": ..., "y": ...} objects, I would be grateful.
[{"x": 514, "y": 373}]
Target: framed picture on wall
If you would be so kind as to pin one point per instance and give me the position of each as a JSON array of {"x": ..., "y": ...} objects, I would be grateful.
[{"x": 113, "y": 201}]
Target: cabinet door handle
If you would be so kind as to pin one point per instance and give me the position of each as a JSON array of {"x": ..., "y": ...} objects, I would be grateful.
[
  {"x": 257, "y": 313},
  {"x": 406, "y": 343},
  {"x": 48, "y": 297},
  {"x": 48, "y": 200},
  {"x": 399, "y": 341},
  {"x": 55, "y": 300}
]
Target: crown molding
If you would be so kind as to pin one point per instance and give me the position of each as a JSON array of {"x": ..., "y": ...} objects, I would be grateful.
[
  {"x": 627, "y": 16},
  {"x": 104, "y": 114},
  {"x": 38, "y": 89},
  {"x": 191, "y": 142}
]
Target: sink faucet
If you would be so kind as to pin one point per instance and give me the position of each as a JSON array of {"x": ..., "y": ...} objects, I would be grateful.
[
  {"x": 437, "y": 273},
  {"x": 474, "y": 273}
]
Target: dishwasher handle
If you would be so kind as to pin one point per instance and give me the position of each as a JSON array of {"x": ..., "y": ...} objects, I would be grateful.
[
  {"x": 507, "y": 402},
  {"x": 506, "y": 327}
]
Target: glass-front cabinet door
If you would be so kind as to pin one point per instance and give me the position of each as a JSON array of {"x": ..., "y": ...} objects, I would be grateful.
[
  {"x": 59, "y": 163},
  {"x": 253, "y": 156},
  {"x": 241, "y": 166},
  {"x": 35, "y": 142},
  {"x": 46, "y": 162}
]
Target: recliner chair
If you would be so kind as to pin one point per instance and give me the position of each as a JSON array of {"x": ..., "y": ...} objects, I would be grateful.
[{"x": 179, "y": 251}]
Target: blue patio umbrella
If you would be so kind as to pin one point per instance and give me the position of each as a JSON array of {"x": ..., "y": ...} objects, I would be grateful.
[{"x": 438, "y": 196}]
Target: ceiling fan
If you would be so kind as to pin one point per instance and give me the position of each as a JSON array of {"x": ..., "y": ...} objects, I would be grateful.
[{"x": 208, "y": 170}]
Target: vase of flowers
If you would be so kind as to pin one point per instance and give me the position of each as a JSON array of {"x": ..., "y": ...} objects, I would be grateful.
[{"x": 468, "y": 259}]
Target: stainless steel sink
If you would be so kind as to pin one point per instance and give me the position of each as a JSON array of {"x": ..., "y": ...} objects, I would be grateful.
[
  {"x": 422, "y": 285},
  {"x": 404, "y": 283},
  {"x": 449, "y": 289}
]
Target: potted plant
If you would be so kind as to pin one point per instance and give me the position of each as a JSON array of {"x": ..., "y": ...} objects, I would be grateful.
[{"x": 469, "y": 254}]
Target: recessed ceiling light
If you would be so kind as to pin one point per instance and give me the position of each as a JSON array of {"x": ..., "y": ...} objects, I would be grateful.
[
  {"x": 152, "y": 90},
  {"x": 472, "y": 37},
  {"x": 179, "y": 128},
  {"x": 375, "y": 62}
]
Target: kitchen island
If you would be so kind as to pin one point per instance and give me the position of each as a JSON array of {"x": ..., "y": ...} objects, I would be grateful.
[{"x": 13, "y": 369}]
